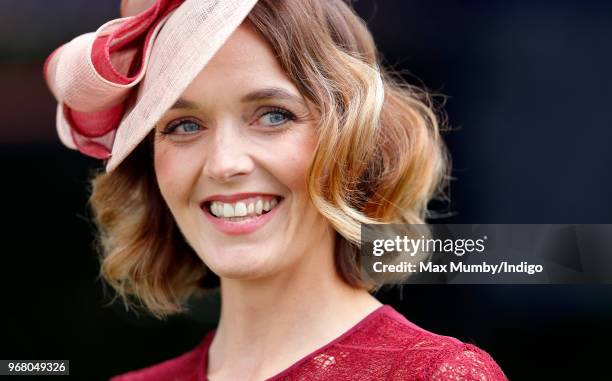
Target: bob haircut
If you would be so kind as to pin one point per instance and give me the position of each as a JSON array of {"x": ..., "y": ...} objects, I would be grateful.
[{"x": 379, "y": 159}]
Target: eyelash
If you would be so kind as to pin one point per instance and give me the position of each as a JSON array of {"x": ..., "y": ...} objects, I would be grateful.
[
  {"x": 169, "y": 129},
  {"x": 289, "y": 116}
]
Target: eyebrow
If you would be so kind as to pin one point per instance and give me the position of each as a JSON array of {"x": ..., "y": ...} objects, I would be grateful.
[
  {"x": 257, "y": 95},
  {"x": 271, "y": 93},
  {"x": 184, "y": 104}
]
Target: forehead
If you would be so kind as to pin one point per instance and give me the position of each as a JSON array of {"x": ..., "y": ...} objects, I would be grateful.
[{"x": 245, "y": 60}]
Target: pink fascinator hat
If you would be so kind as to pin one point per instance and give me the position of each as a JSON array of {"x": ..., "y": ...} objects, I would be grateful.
[{"x": 114, "y": 84}]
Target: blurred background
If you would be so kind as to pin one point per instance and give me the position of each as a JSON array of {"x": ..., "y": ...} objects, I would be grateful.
[{"x": 528, "y": 87}]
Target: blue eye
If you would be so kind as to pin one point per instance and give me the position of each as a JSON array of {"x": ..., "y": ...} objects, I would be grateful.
[
  {"x": 189, "y": 126},
  {"x": 182, "y": 127},
  {"x": 276, "y": 117}
]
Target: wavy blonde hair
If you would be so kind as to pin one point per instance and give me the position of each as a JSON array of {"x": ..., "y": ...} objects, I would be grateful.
[{"x": 379, "y": 158}]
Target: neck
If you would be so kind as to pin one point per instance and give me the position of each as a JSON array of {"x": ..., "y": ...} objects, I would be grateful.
[{"x": 267, "y": 324}]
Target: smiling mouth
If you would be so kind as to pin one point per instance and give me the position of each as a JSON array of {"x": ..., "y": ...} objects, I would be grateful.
[{"x": 246, "y": 209}]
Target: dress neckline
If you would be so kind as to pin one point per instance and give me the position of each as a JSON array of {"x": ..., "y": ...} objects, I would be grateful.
[{"x": 205, "y": 345}]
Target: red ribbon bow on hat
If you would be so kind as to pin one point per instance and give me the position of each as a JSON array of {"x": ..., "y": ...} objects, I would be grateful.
[{"x": 93, "y": 75}]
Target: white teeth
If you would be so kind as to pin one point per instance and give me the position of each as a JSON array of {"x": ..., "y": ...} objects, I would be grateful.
[
  {"x": 249, "y": 207},
  {"x": 240, "y": 210},
  {"x": 228, "y": 210}
]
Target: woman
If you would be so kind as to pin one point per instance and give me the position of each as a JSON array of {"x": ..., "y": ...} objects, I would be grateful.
[{"x": 257, "y": 164}]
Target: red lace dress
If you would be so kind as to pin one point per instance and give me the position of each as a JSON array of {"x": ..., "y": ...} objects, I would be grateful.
[{"x": 382, "y": 346}]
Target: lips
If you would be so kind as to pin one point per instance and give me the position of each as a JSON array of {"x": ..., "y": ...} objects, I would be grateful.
[
  {"x": 241, "y": 214},
  {"x": 246, "y": 207}
]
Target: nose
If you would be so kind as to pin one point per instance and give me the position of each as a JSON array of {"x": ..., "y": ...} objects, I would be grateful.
[{"x": 228, "y": 156}]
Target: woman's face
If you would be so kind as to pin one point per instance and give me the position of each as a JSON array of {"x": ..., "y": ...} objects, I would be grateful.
[{"x": 231, "y": 159}]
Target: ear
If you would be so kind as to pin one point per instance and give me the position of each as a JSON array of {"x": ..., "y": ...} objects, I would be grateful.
[{"x": 134, "y": 7}]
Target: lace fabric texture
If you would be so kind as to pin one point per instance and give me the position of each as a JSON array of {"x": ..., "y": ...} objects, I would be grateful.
[{"x": 383, "y": 346}]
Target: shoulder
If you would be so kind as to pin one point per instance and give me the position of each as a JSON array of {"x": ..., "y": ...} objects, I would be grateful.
[
  {"x": 467, "y": 362},
  {"x": 423, "y": 355},
  {"x": 186, "y": 367},
  {"x": 442, "y": 359}
]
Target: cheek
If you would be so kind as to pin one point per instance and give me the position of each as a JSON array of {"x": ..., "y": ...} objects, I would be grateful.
[
  {"x": 173, "y": 175},
  {"x": 294, "y": 161}
]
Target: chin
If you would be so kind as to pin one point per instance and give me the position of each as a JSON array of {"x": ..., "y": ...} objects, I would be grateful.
[
  {"x": 240, "y": 263},
  {"x": 241, "y": 272}
]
